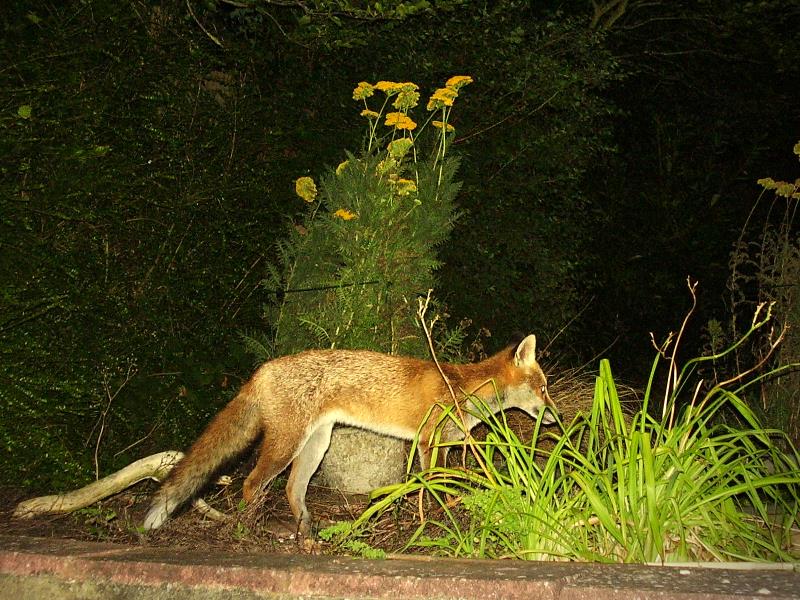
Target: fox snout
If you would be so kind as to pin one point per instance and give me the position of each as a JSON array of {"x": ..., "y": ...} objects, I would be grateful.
[
  {"x": 547, "y": 404},
  {"x": 532, "y": 401}
]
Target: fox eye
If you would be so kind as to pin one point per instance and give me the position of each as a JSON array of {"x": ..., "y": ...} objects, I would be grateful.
[{"x": 544, "y": 389}]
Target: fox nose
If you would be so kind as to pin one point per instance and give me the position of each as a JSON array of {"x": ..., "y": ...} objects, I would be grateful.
[
  {"x": 549, "y": 404},
  {"x": 549, "y": 414}
]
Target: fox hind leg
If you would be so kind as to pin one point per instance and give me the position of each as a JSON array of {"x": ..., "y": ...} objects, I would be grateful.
[
  {"x": 271, "y": 461},
  {"x": 303, "y": 467}
]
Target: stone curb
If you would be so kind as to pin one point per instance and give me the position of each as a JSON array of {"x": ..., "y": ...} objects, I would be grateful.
[{"x": 37, "y": 567}]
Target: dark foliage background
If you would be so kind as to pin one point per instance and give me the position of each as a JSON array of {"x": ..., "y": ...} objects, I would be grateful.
[{"x": 148, "y": 150}]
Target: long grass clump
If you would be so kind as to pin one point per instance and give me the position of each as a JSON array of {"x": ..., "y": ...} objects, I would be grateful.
[{"x": 701, "y": 481}]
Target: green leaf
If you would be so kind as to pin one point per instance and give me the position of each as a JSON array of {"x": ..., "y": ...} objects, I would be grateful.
[{"x": 24, "y": 111}]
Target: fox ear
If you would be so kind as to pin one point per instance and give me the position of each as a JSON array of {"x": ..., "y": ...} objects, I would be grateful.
[{"x": 525, "y": 355}]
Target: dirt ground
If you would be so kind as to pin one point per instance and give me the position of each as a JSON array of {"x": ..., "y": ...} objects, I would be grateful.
[{"x": 266, "y": 526}]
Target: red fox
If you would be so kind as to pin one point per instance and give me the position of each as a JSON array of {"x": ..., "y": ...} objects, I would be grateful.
[{"x": 293, "y": 402}]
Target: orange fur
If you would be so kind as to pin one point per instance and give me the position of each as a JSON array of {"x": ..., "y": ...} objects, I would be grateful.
[{"x": 294, "y": 401}]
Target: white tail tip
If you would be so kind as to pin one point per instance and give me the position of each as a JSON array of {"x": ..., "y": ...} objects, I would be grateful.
[{"x": 158, "y": 513}]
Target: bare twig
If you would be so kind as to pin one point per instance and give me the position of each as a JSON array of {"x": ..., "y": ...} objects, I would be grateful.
[
  {"x": 567, "y": 325},
  {"x": 423, "y": 308},
  {"x": 155, "y": 426},
  {"x": 672, "y": 374},
  {"x": 103, "y": 416},
  {"x": 211, "y": 36},
  {"x": 513, "y": 113},
  {"x": 426, "y": 328}
]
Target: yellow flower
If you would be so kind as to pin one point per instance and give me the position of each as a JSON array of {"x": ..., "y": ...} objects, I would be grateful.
[
  {"x": 390, "y": 88},
  {"x": 782, "y": 188},
  {"x": 400, "y": 120},
  {"x": 363, "y": 91},
  {"x": 406, "y": 124},
  {"x": 787, "y": 190},
  {"x": 393, "y": 118},
  {"x": 458, "y": 81},
  {"x": 344, "y": 214},
  {"x": 406, "y": 100},
  {"x": 306, "y": 188},
  {"x": 399, "y": 147},
  {"x": 370, "y": 114},
  {"x": 342, "y": 166},
  {"x": 405, "y": 187},
  {"x": 768, "y": 183},
  {"x": 439, "y": 125},
  {"x": 442, "y": 97}
]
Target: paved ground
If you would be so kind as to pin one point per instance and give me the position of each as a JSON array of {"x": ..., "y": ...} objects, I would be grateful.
[{"x": 57, "y": 569}]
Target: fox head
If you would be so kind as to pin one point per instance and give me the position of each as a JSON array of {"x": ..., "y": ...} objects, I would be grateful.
[{"x": 526, "y": 385}]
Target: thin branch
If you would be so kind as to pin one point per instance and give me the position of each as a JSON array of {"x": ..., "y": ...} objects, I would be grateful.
[
  {"x": 128, "y": 376},
  {"x": 672, "y": 375},
  {"x": 570, "y": 322},
  {"x": 772, "y": 347},
  {"x": 423, "y": 308},
  {"x": 210, "y": 35},
  {"x": 609, "y": 13},
  {"x": 155, "y": 426},
  {"x": 507, "y": 117}
]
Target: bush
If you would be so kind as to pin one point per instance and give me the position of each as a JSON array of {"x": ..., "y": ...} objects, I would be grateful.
[{"x": 351, "y": 270}]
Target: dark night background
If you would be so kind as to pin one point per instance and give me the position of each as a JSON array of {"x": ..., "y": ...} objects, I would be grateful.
[{"x": 609, "y": 149}]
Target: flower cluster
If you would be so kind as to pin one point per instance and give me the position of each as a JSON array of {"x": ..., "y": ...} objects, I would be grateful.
[
  {"x": 390, "y": 88},
  {"x": 444, "y": 97},
  {"x": 782, "y": 188},
  {"x": 363, "y": 91},
  {"x": 458, "y": 81},
  {"x": 400, "y": 120},
  {"x": 401, "y": 151},
  {"x": 403, "y": 187},
  {"x": 306, "y": 188},
  {"x": 406, "y": 97},
  {"x": 399, "y": 148}
]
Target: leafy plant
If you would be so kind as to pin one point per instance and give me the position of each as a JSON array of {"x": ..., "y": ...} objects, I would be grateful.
[
  {"x": 349, "y": 272},
  {"x": 240, "y": 531},
  {"x": 682, "y": 486},
  {"x": 765, "y": 268},
  {"x": 97, "y": 520},
  {"x": 340, "y": 534}
]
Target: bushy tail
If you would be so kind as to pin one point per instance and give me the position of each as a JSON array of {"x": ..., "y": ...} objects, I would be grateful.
[{"x": 228, "y": 434}]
